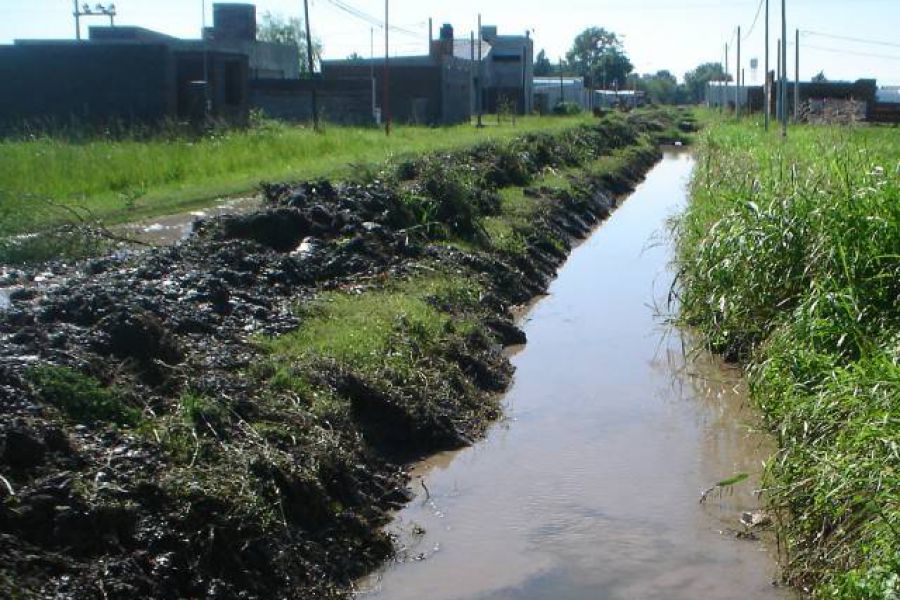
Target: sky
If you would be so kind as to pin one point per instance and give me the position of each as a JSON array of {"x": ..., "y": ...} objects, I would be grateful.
[{"x": 847, "y": 39}]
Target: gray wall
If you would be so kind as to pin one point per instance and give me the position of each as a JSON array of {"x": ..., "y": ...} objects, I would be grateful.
[
  {"x": 346, "y": 102},
  {"x": 90, "y": 82}
]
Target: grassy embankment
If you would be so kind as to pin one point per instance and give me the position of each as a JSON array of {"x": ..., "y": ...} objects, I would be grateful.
[
  {"x": 393, "y": 330},
  {"x": 790, "y": 262},
  {"x": 125, "y": 180}
]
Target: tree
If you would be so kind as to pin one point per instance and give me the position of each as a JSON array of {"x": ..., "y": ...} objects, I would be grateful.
[
  {"x": 542, "y": 65},
  {"x": 820, "y": 77},
  {"x": 696, "y": 81},
  {"x": 290, "y": 31},
  {"x": 598, "y": 56},
  {"x": 356, "y": 57},
  {"x": 661, "y": 88}
]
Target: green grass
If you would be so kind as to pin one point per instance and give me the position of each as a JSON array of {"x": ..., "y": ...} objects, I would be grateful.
[
  {"x": 124, "y": 180},
  {"x": 81, "y": 397},
  {"x": 392, "y": 336},
  {"x": 361, "y": 329},
  {"x": 790, "y": 261}
]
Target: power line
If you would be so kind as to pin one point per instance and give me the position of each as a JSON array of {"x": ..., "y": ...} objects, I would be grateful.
[
  {"x": 755, "y": 20},
  {"x": 369, "y": 19},
  {"x": 851, "y": 52},
  {"x": 850, "y": 39}
]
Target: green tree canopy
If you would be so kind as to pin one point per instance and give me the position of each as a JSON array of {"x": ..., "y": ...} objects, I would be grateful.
[
  {"x": 598, "y": 55},
  {"x": 662, "y": 88},
  {"x": 697, "y": 80},
  {"x": 290, "y": 31},
  {"x": 820, "y": 77},
  {"x": 542, "y": 65}
]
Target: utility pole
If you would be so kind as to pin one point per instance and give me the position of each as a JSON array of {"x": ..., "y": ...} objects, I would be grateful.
[
  {"x": 562, "y": 89},
  {"x": 768, "y": 87},
  {"x": 207, "y": 97},
  {"x": 372, "y": 67},
  {"x": 77, "y": 15},
  {"x": 778, "y": 79},
  {"x": 725, "y": 92},
  {"x": 784, "y": 68},
  {"x": 737, "y": 74},
  {"x": 480, "y": 95},
  {"x": 311, "y": 62},
  {"x": 430, "y": 34},
  {"x": 386, "y": 101},
  {"x": 797, "y": 80}
]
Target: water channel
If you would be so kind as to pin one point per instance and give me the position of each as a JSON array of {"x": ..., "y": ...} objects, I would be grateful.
[{"x": 590, "y": 488}]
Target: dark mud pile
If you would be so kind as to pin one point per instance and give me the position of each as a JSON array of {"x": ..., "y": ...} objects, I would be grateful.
[{"x": 144, "y": 452}]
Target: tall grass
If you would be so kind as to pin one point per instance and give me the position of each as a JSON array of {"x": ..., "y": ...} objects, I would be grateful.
[
  {"x": 119, "y": 180},
  {"x": 790, "y": 261}
]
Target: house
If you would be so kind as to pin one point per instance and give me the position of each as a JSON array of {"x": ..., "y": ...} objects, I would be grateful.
[
  {"x": 508, "y": 71},
  {"x": 447, "y": 85},
  {"x": 135, "y": 75},
  {"x": 436, "y": 89}
]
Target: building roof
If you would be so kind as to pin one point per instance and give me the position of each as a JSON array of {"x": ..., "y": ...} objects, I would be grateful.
[
  {"x": 554, "y": 81},
  {"x": 396, "y": 61}
]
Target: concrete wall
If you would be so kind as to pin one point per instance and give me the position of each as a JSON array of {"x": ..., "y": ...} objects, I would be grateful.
[
  {"x": 458, "y": 91},
  {"x": 94, "y": 82},
  {"x": 422, "y": 91},
  {"x": 547, "y": 93},
  {"x": 88, "y": 82},
  {"x": 267, "y": 60},
  {"x": 346, "y": 101}
]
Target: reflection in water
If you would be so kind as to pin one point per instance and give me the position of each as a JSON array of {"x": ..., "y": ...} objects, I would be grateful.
[{"x": 591, "y": 488}]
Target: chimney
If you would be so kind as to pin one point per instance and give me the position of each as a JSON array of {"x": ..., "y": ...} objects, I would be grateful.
[{"x": 446, "y": 41}]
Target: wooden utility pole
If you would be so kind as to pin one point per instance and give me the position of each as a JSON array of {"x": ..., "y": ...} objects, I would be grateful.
[
  {"x": 784, "y": 68},
  {"x": 562, "y": 88},
  {"x": 372, "y": 68},
  {"x": 479, "y": 96},
  {"x": 797, "y": 80},
  {"x": 311, "y": 62},
  {"x": 386, "y": 100},
  {"x": 768, "y": 86},
  {"x": 737, "y": 74},
  {"x": 725, "y": 91},
  {"x": 778, "y": 79}
]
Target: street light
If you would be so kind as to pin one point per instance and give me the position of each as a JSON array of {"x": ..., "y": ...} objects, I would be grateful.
[{"x": 98, "y": 10}]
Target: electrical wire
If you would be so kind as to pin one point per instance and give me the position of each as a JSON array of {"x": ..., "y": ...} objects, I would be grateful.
[
  {"x": 755, "y": 20},
  {"x": 850, "y": 39},
  {"x": 851, "y": 52},
  {"x": 369, "y": 19}
]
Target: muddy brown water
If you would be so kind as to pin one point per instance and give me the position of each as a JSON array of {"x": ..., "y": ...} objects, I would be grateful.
[
  {"x": 590, "y": 488},
  {"x": 171, "y": 229}
]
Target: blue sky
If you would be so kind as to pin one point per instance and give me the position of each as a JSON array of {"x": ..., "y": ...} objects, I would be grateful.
[{"x": 658, "y": 34}]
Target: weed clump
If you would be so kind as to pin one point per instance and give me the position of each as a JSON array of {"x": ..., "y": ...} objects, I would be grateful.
[
  {"x": 81, "y": 397},
  {"x": 788, "y": 261}
]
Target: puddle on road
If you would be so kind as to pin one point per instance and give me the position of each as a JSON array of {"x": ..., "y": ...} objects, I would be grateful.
[
  {"x": 590, "y": 489},
  {"x": 171, "y": 229}
]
